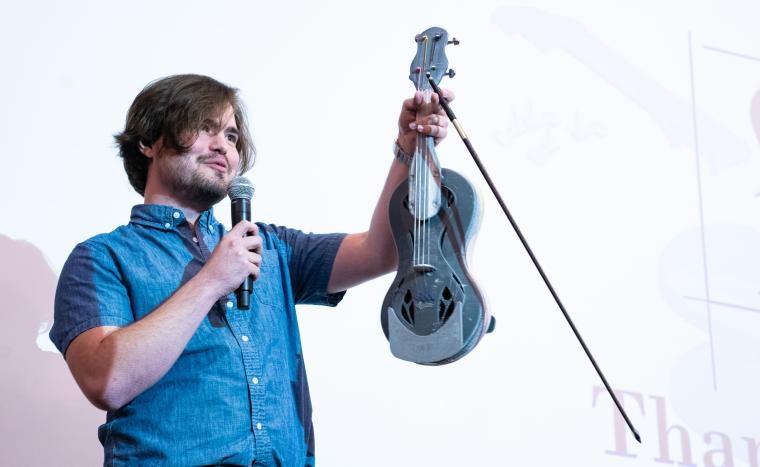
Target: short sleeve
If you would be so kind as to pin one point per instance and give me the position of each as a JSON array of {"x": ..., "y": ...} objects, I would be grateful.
[
  {"x": 310, "y": 261},
  {"x": 90, "y": 293}
]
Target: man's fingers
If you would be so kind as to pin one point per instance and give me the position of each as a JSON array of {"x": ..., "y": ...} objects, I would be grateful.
[
  {"x": 436, "y": 119},
  {"x": 254, "y": 258},
  {"x": 411, "y": 104},
  {"x": 429, "y": 130},
  {"x": 408, "y": 105},
  {"x": 245, "y": 227},
  {"x": 254, "y": 266},
  {"x": 438, "y": 131},
  {"x": 252, "y": 243},
  {"x": 434, "y": 123},
  {"x": 254, "y": 271},
  {"x": 448, "y": 94}
]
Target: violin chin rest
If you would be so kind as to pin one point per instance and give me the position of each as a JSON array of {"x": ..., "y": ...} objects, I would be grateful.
[{"x": 446, "y": 342}]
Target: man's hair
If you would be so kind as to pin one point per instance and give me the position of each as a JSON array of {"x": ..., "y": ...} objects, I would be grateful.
[{"x": 175, "y": 108}]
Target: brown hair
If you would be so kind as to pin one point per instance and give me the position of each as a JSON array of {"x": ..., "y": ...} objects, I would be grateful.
[{"x": 172, "y": 108}]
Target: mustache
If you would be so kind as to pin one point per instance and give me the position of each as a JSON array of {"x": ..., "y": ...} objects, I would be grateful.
[
  {"x": 209, "y": 157},
  {"x": 205, "y": 157}
]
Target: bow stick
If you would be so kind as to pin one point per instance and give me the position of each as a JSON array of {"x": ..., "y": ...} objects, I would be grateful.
[{"x": 495, "y": 192}]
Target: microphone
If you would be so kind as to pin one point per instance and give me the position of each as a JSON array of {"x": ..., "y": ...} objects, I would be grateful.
[{"x": 240, "y": 193}]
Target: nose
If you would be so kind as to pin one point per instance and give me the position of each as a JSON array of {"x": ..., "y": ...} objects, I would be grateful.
[{"x": 218, "y": 143}]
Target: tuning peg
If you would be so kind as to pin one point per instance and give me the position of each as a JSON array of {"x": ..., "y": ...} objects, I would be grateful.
[
  {"x": 454, "y": 41},
  {"x": 451, "y": 73}
]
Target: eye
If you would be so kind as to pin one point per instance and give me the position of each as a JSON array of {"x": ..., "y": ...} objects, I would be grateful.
[{"x": 232, "y": 138}]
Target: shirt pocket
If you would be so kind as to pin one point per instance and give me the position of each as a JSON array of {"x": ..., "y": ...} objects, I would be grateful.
[{"x": 268, "y": 287}]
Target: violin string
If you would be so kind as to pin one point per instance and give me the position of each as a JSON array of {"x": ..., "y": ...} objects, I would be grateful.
[
  {"x": 422, "y": 203},
  {"x": 428, "y": 166},
  {"x": 421, "y": 199},
  {"x": 421, "y": 247},
  {"x": 417, "y": 213},
  {"x": 427, "y": 196},
  {"x": 414, "y": 198},
  {"x": 416, "y": 204},
  {"x": 418, "y": 184},
  {"x": 421, "y": 145},
  {"x": 431, "y": 176}
]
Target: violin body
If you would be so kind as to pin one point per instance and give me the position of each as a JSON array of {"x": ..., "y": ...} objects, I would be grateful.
[{"x": 434, "y": 313}]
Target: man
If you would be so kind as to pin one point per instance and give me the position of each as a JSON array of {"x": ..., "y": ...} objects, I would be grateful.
[{"x": 146, "y": 316}]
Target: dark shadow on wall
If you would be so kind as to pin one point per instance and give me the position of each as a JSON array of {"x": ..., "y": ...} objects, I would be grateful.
[{"x": 45, "y": 418}]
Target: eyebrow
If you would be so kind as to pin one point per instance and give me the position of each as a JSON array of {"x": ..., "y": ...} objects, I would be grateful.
[{"x": 232, "y": 129}]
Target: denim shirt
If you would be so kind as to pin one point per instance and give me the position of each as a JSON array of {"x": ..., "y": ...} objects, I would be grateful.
[{"x": 238, "y": 393}]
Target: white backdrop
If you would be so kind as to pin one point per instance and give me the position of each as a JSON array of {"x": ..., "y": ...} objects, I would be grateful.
[{"x": 621, "y": 136}]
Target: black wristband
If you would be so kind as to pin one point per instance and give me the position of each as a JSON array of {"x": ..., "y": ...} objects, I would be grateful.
[{"x": 401, "y": 156}]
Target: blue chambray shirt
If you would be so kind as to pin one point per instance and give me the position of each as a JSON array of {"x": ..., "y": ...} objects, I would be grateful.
[{"x": 238, "y": 394}]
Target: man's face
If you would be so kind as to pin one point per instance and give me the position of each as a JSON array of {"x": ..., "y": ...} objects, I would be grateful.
[{"x": 201, "y": 175}]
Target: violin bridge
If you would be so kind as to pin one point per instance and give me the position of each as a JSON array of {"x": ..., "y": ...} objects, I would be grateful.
[{"x": 424, "y": 268}]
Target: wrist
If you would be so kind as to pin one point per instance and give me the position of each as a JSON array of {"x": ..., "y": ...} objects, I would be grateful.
[
  {"x": 206, "y": 286},
  {"x": 401, "y": 155}
]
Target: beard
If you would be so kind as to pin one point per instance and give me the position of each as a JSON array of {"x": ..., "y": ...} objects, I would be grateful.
[{"x": 191, "y": 185}]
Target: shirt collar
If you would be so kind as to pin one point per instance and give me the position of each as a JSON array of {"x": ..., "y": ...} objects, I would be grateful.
[{"x": 168, "y": 217}]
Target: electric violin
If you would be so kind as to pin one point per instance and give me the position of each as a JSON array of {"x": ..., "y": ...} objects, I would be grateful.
[{"x": 433, "y": 313}]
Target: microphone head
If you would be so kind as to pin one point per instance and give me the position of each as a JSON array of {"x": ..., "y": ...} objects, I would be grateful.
[{"x": 240, "y": 187}]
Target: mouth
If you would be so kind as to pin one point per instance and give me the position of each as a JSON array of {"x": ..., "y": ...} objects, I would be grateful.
[{"x": 218, "y": 164}]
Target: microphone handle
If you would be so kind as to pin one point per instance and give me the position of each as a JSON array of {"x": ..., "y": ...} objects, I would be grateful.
[{"x": 241, "y": 211}]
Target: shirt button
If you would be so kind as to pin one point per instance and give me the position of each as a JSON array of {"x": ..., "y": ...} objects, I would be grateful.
[
  {"x": 176, "y": 215},
  {"x": 195, "y": 239},
  {"x": 258, "y": 426},
  {"x": 167, "y": 225},
  {"x": 229, "y": 303},
  {"x": 245, "y": 338},
  {"x": 255, "y": 380}
]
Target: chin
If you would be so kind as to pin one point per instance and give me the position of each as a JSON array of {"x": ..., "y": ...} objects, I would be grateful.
[{"x": 208, "y": 190}]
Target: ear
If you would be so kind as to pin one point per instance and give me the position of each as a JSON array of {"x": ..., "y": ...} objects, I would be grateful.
[{"x": 148, "y": 151}]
